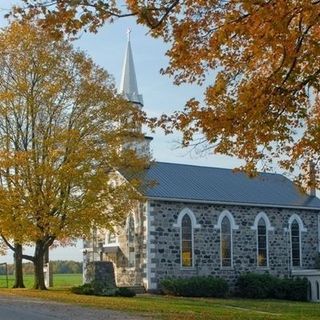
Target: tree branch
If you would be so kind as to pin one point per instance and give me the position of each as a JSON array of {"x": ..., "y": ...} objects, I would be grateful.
[{"x": 8, "y": 243}]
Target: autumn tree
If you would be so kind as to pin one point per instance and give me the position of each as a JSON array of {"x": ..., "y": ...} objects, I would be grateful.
[
  {"x": 61, "y": 130},
  {"x": 259, "y": 61}
]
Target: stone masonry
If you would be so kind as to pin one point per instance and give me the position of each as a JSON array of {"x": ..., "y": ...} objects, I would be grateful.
[{"x": 165, "y": 241}]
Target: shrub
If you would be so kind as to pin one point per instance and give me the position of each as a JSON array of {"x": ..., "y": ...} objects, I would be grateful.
[
  {"x": 195, "y": 287},
  {"x": 258, "y": 286},
  {"x": 86, "y": 288},
  {"x": 262, "y": 286},
  {"x": 97, "y": 289},
  {"x": 297, "y": 289},
  {"x": 125, "y": 292}
]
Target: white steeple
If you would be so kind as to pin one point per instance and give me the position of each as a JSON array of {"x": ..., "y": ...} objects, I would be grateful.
[{"x": 128, "y": 85}]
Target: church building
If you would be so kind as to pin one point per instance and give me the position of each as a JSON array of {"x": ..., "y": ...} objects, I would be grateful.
[{"x": 201, "y": 221}]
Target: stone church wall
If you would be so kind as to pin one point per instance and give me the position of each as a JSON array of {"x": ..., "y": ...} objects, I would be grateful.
[
  {"x": 130, "y": 273},
  {"x": 165, "y": 241}
]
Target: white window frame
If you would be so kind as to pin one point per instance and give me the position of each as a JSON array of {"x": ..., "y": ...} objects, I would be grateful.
[
  {"x": 107, "y": 243},
  {"x": 234, "y": 226},
  {"x": 194, "y": 225},
  {"x": 297, "y": 218},
  {"x": 262, "y": 215}
]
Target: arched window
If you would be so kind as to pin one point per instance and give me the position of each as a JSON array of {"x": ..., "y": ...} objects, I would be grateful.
[
  {"x": 226, "y": 224},
  {"x": 295, "y": 228},
  {"x": 262, "y": 243},
  {"x": 130, "y": 229},
  {"x": 186, "y": 242},
  {"x": 262, "y": 226},
  {"x": 295, "y": 244},
  {"x": 226, "y": 242},
  {"x": 187, "y": 223},
  {"x": 131, "y": 241}
]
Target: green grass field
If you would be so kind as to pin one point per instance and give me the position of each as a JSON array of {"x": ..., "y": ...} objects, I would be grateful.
[
  {"x": 170, "y": 308},
  {"x": 59, "y": 280},
  {"x": 178, "y": 308}
]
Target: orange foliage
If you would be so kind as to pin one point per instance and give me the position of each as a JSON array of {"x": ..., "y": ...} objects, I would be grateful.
[
  {"x": 259, "y": 58},
  {"x": 61, "y": 130}
]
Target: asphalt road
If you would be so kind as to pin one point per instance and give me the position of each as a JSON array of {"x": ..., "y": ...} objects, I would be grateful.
[{"x": 16, "y": 308}]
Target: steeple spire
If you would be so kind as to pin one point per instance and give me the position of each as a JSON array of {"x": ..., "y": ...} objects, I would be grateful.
[{"x": 128, "y": 85}]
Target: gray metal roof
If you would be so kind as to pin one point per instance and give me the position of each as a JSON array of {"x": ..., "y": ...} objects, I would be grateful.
[{"x": 217, "y": 185}]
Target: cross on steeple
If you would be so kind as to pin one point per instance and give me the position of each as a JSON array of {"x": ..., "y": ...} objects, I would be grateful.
[{"x": 128, "y": 33}]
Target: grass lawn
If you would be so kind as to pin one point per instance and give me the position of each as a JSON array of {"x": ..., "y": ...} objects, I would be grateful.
[
  {"x": 59, "y": 280},
  {"x": 173, "y": 308}
]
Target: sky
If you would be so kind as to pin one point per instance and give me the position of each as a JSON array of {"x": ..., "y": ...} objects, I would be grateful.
[{"x": 107, "y": 49}]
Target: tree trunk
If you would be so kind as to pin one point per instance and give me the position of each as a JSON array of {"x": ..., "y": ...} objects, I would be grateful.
[
  {"x": 18, "y": 266},
  {"x": 38, "y": 266}
]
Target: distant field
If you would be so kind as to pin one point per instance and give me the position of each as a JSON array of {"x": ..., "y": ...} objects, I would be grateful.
[{"x": 59, "y": 280}]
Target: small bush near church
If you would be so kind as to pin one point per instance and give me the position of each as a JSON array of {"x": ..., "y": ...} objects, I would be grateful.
[
  {"x": 96, "y": 289},
  {"x": 86, "y": 289},
  {"x": 195, "y": 287},
  {"x": 124, "y": 292},
  {"x": 263, "y": 286}
]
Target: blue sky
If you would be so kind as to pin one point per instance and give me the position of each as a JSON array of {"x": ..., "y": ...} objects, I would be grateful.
[{"x": 107, "y": 49}]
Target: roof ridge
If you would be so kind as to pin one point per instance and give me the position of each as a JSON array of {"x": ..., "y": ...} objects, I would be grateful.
[{"x": 219, "y": 168}]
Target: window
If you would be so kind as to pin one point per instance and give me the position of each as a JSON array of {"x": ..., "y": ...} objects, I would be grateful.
[
  {"x": 318, "y": 290},
  {"x": 130, "y": 229},
  {"x": 226, "y": 243},
  {"x": 262, "y": 226},
  {"x": 111, "y": 238},
  {"x": 295, "y": 244},
  {"x": 226, "y": 225},
  {"x": 296, "y": 227},
  {"x": 186, "y": 242},
  {"x": 186, "y": 222},
  {"x": 262, "y": 244},
  {"x": 131, "y": 241}
]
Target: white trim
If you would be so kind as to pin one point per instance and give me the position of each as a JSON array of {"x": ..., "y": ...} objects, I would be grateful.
[
  {"x": 293, "y": 218},
  {"x": 267, "y": 245},
  {"x": 191, "y": 216},
  {"x": 262, "y": 215},
  {"x": 298, "y": 219},
  {"x": 226, "y": 213},
  {"x": 131, "y": 258},
  {"x": 194, "y": 225},
  {"x": 266, "y": 220},
  {"x": 245, "y": 204},
  {"x": 106, "y": 241},
  {"x": 192, "y": 248},
  {"x": 149, "y": 285},
  {"x": 233, "y": 226}
]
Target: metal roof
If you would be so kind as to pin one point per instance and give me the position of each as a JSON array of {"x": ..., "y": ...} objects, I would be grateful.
[{"x": 180, "y": 182}]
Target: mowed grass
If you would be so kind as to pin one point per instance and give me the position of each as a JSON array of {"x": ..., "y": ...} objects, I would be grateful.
[
  {"x": 175, "y": 308},
  {"x": 59, "y": 280}
]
